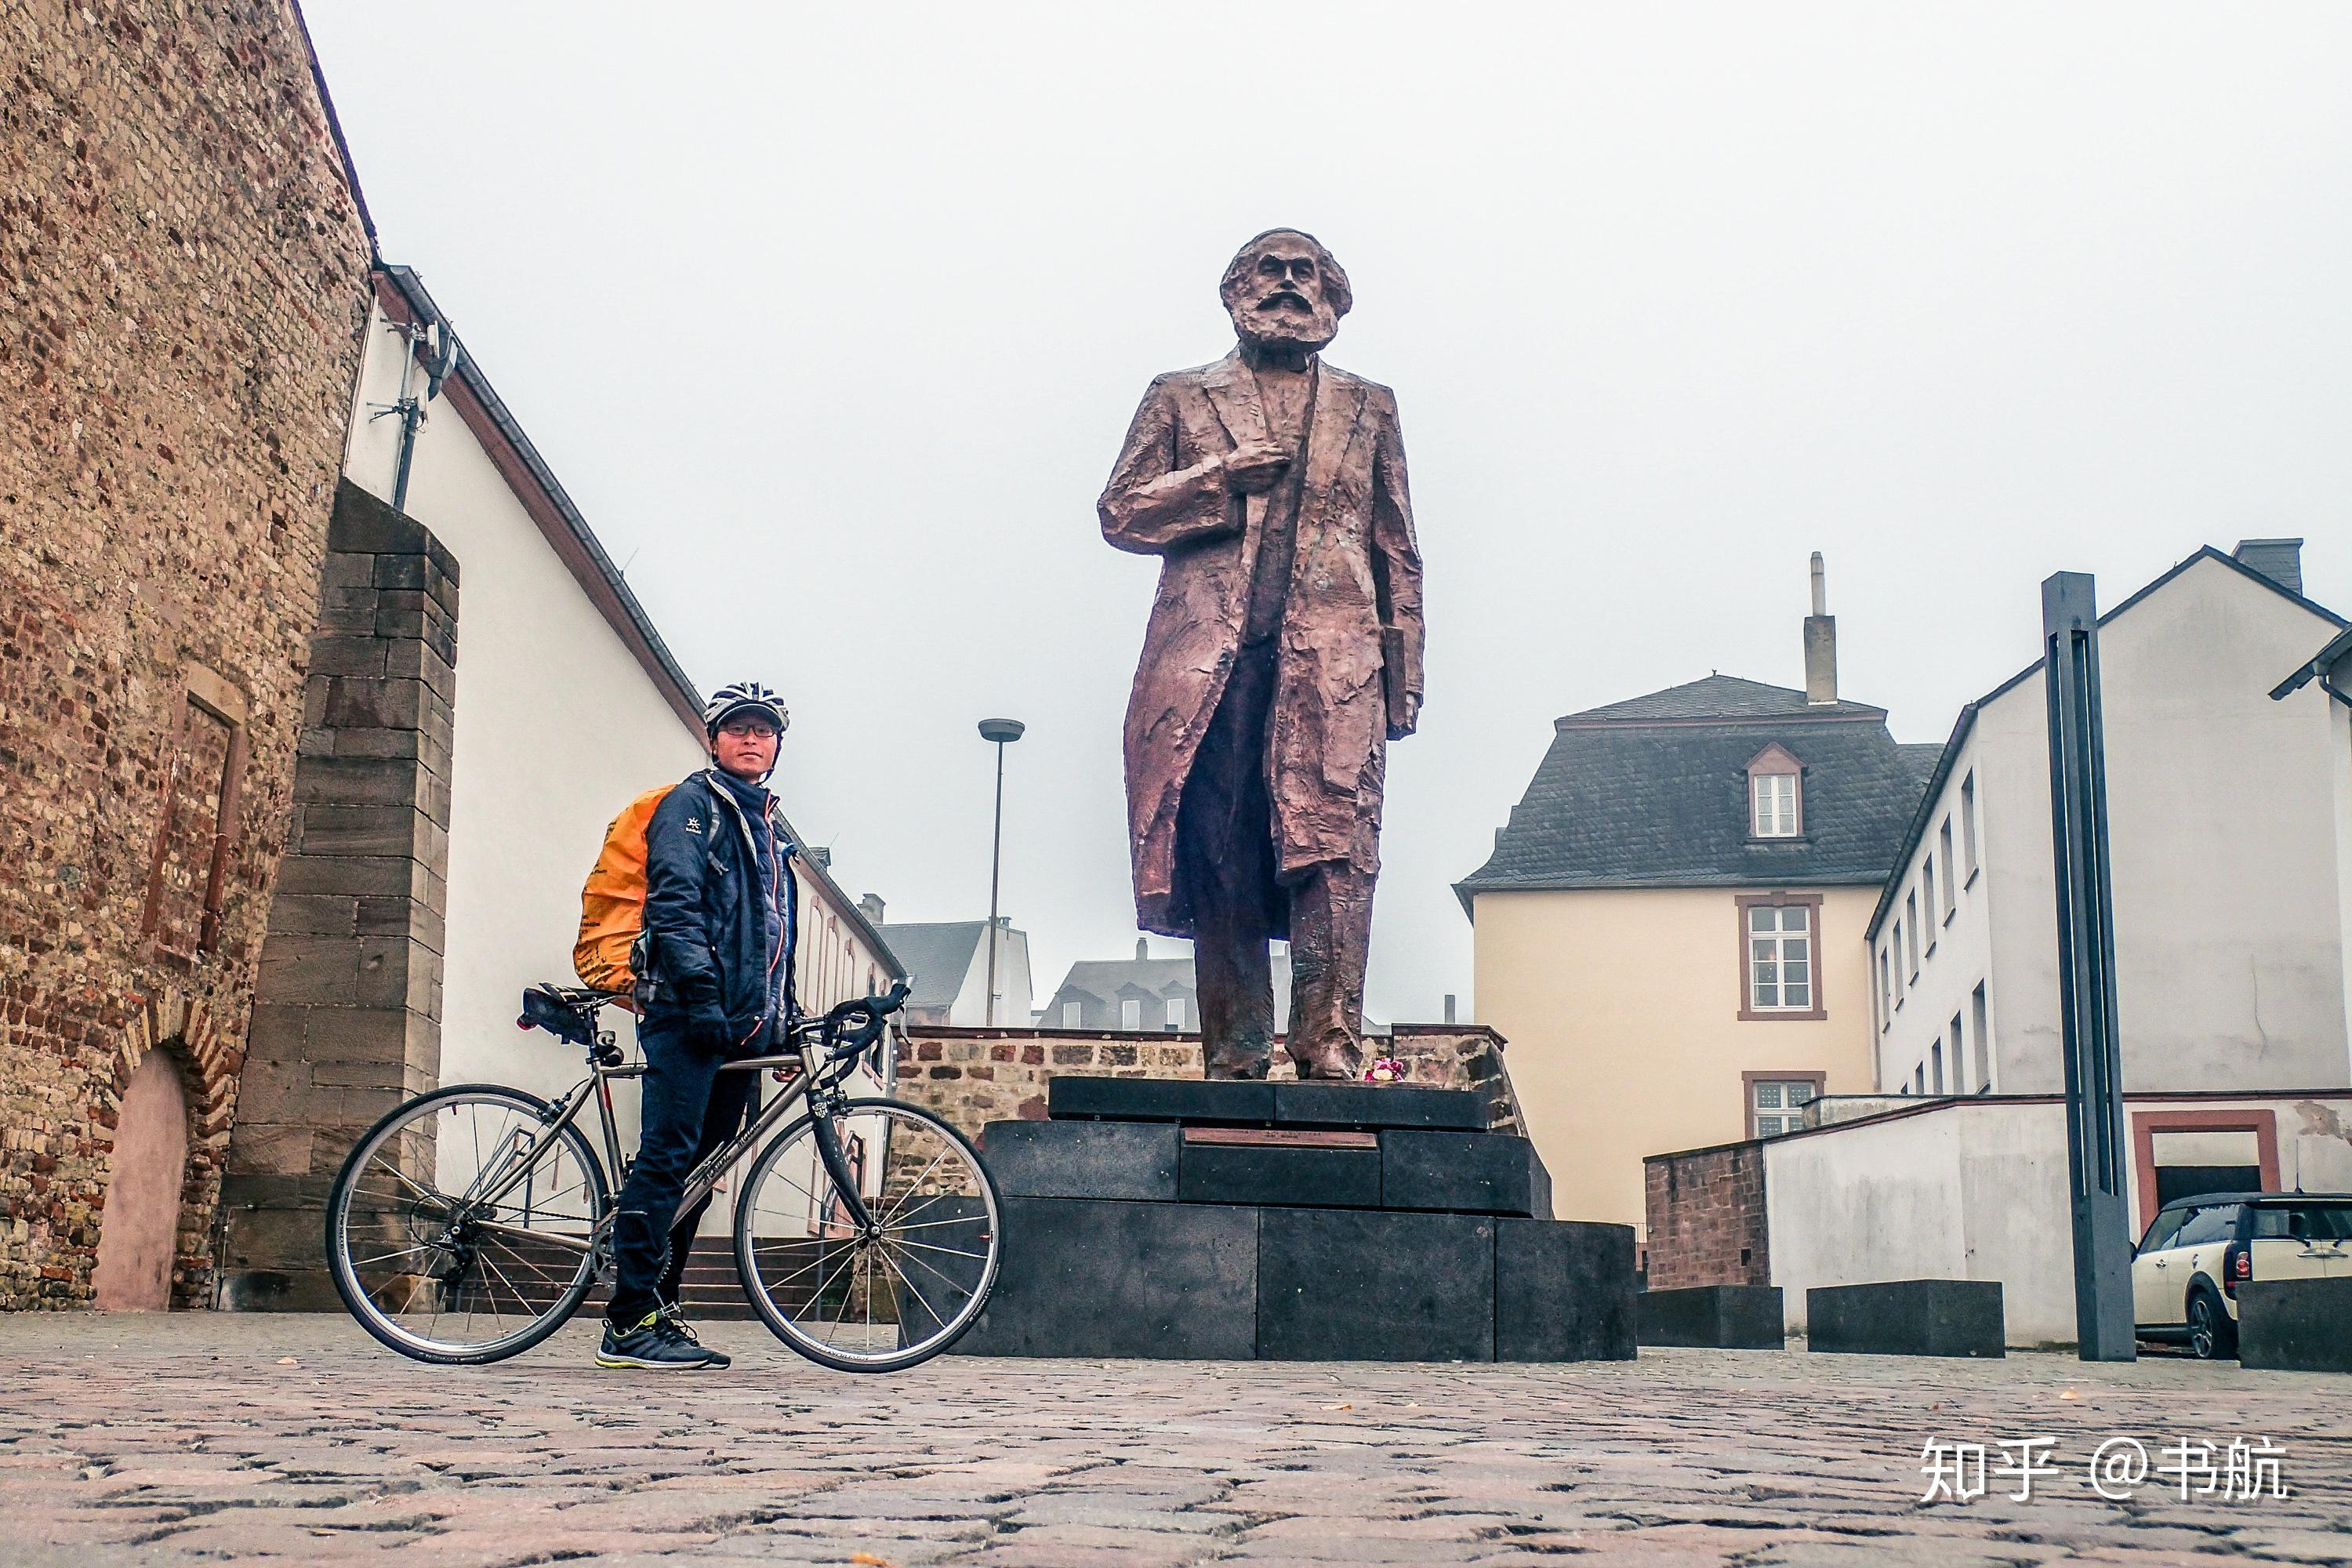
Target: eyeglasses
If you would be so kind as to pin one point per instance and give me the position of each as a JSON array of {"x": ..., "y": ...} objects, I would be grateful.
[{"x": 740, "y": 728}]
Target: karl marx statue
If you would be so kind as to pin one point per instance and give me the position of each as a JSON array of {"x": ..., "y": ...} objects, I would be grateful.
[{"x": 1283, "y": 655}]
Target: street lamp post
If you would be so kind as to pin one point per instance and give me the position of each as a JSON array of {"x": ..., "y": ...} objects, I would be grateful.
[{"x": 1001, "y": 731}]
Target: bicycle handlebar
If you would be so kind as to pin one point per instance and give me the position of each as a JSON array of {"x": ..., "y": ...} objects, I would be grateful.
[{"x": 874, "y": 1009}]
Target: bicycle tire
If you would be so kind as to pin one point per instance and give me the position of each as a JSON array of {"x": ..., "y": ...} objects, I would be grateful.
[
  {"x": 778, "y": 1324},
  {"x": 363, "y": 1306}
]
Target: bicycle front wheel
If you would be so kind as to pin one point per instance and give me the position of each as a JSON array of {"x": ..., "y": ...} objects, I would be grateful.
[
  {"x": 459, "y": 1232},
  {"x": 869, "y": 1299}
]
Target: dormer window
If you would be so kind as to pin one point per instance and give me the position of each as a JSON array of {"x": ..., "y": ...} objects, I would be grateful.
[{"x": 1776, "y": 795}]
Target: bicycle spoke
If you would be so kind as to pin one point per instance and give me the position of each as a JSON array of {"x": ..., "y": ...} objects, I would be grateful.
[
  {"x": 903, "y": 1278},
  {"x": 483, "y": 1276}
]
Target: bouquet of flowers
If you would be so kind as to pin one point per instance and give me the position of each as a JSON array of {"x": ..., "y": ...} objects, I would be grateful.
[{"x": 1387, "y": 1070}]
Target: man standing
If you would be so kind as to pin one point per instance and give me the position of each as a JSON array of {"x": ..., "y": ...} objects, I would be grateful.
[
  {"x": 1283, "y": 652},
  {"x": 719, "y": 900}
]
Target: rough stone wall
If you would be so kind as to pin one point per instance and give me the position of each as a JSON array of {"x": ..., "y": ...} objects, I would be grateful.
[
  {"x": 975, "y": 1077},
  {"x": 183, "y": 286},
  {"x": 346, "y": 1020},
  {"x": 1705, "y": 1215}
]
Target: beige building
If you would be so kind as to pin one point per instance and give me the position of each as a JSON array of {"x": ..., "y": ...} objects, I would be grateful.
[{"x": 1669, "y": 930}]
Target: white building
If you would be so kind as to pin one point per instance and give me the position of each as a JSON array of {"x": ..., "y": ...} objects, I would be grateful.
[
  {"x": 951, "y": 960},
  {"x": 2230, "y": 818},
  {"x": 568, "y": 705},
  {"x": 2230, "y": 831}
]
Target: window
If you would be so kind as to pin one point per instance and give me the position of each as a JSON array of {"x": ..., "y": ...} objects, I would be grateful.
[
  {"x": 1775, "y": 794},
  {"x": 1944, "y": 851},
  {"x": 1776, "y": 1104},
  {"x": 1176, "y": 1013},
  {"x": 1959, "y": 1061},
  {"x": 1911, "y": 920},
  {"x": 1927, "y": 897},
  {"x": 1969, "y": 824},
  {"x": 1070, "y": 1014},
  {"x": 2219, "y": 1223},
  {"x": 1919, "y": 1078},
  {"x": 1780, "y": 955},
  {"x": 2160, "y": 1234},
  {"x": 1130, "y": 1014},
  {"x": 1885, "y": 989},
  {"x": 1896, "y": 948},
  {"x": 1979, "y": 1024},
  {"x": 2304, "y": 1222},
  {"x": 1936, "y": 1067}
]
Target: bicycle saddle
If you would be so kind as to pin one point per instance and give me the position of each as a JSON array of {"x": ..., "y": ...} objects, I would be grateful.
[{"x": 567, "y": 1012}]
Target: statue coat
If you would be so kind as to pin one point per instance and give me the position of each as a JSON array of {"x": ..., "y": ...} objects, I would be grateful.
[{"x": 1349, "y": 646}]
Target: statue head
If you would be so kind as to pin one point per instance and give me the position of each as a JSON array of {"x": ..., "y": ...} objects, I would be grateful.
[{"x": 1285, "y": 292}]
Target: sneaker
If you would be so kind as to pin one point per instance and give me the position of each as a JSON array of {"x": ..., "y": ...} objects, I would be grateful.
[
  {"x": 653, "y": 1344},
  {"x": 675, "y": 1314}
]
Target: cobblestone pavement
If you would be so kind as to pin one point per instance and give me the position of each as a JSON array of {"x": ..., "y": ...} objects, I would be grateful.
[{"x": 203, "y": 1437}]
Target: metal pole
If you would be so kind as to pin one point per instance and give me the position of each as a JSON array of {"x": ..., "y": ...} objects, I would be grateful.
[
  {"x": 995, "y": 869},
  {"x": 2095, "y": 1159},
  {"x": 1000, "y": 731}
]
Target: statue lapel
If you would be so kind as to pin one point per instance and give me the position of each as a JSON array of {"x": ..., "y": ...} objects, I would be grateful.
[
  {"x": 1338, "y": 410},
  {"x": 1232, "y": 393}
]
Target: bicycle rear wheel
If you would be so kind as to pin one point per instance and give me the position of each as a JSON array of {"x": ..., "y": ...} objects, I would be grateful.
[
  {"x": 431, "y": 1264},
  {"x": 879, "y": 1300}
]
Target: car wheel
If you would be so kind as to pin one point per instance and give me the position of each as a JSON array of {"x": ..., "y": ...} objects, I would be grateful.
[{"x": 2211, "y": 1334}]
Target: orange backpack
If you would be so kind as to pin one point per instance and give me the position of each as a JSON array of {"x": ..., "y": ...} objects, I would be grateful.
[{"x": 613, "y": 901}]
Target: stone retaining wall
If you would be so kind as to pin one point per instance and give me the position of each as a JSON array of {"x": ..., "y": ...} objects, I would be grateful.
[
  {"x": 1706, "y": 1214},
  {"x": 973, "y": 1077}
]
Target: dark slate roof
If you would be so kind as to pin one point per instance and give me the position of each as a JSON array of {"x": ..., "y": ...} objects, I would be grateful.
[
  {"x": 1652, "y": 793},
  {"x": 1110, "y": 979},
  {"x": 937, "y": 954},
  {"x": 1720, "y": 697}
]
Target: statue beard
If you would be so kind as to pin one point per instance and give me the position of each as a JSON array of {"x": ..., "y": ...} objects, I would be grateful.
[{"x": 1287, "y": 329}]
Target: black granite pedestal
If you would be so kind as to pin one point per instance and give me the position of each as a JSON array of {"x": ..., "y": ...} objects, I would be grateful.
[{"x": 1290, "y": 1222}]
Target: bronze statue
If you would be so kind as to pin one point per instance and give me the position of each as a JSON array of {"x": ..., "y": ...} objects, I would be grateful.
[{"x": 1283, "y": 654}]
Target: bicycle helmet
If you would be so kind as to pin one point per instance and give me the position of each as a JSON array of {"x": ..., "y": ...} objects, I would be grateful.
[{"x": 741, "y": 695}]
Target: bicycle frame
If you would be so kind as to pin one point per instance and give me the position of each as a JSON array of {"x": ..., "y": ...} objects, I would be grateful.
[{"x": 812, "y": 1060}]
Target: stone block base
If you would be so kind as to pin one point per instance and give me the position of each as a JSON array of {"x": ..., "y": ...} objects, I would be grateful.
[
  {"x": 2295, "y": 1325},
  {"x": 1908, "y": 1317},
  {"x": 1717, "y": 1317}
]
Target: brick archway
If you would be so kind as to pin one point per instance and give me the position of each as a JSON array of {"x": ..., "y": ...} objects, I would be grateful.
[{"x": 182, "y": 1026}]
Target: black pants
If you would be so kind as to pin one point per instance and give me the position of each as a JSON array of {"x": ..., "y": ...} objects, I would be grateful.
[{"x": 689, "y": 1109}]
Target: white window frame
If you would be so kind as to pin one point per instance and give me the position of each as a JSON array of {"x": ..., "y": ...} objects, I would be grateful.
[
  {"x": 1772, "y": 806},
  {"x": 1951, "y": 887},
  {"x": 1130, "y": 1014},
  {"x": 1780, "y": 1101},
  {"x": 1174, "y": 1014},
  {"x": 1927, "y": 897},
  {"x": 1768, "y": 933},
  {"x": 1073, "y": 1014},
  {"x": 1969, "y": 824}
]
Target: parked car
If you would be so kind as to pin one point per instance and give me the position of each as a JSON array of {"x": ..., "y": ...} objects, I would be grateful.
[{"x": 2198, "y": 1250}]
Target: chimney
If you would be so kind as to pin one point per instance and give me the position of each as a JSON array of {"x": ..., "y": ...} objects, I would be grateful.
[
  {"x": 2280, "y": 559},
  {"x": 870, "y": 905},
  {"x": 1820, "y": 644},
  {"x": 1142, "y": 948}
]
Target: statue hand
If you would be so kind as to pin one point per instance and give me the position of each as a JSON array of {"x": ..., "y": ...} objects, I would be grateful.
[
  {"x": 1254, "y": 466},
  {"x": 1407, "y": 720}
]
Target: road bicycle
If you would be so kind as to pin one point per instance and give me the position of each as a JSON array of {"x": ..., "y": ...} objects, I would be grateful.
[{"x": 470, "y": 1223}]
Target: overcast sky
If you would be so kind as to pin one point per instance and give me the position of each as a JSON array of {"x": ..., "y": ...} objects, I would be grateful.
[{"x": 831, "y": 318}]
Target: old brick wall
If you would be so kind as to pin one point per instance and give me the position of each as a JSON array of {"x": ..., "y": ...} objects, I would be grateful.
[
  {"x": 182, "y": 284},
  {"x": 1705, "y": 1215},
  {"x": 975, "y": 1077}
]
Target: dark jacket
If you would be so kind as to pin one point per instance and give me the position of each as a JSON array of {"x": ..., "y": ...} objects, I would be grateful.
[{"x": 712, "y": 963}]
